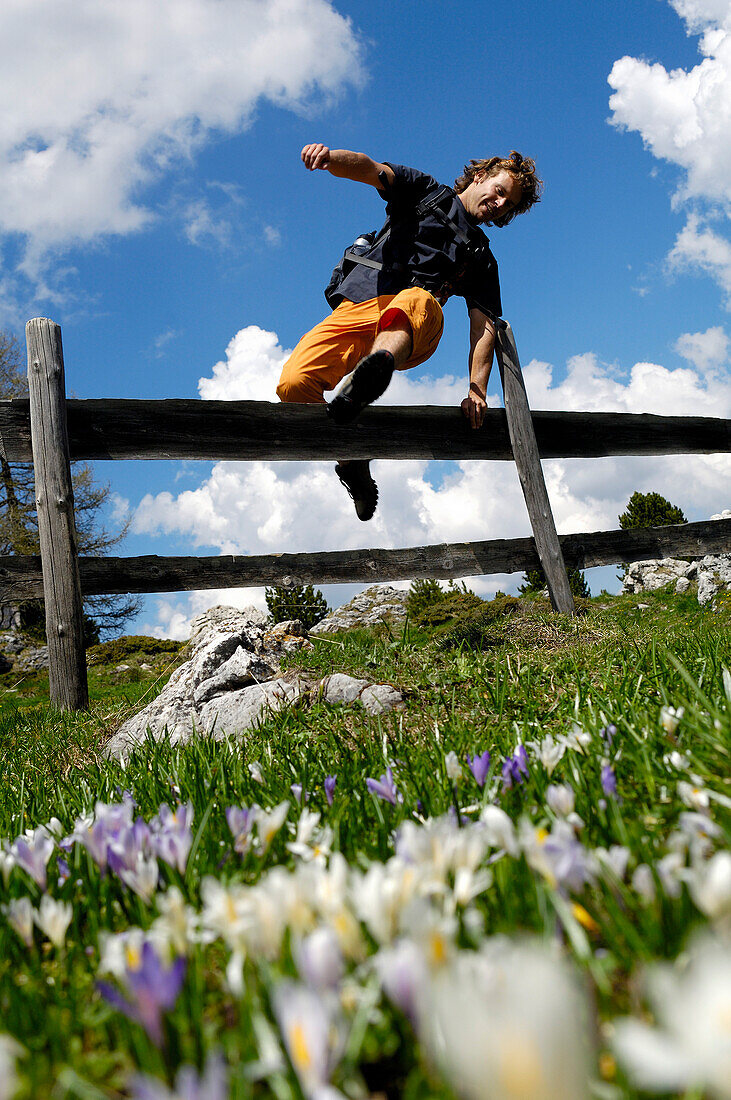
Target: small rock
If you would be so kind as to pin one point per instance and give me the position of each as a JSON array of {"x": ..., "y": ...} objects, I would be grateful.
[
  {"x": 339, "y": 688},
  {"x": 380, "y": 698},
  {"x": 682, "y": 585}
]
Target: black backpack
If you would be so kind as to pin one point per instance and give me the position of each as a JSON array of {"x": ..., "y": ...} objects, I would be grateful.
[{"x": 358, "y": 252}]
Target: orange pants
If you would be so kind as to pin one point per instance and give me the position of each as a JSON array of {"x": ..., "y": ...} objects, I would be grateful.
[{"x": 333, "y": 348}]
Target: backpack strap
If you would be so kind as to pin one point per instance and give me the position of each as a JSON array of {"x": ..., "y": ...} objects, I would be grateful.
[{"x": 430, "y": 204}]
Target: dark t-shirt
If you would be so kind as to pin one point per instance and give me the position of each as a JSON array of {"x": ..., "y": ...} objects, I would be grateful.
[{"x": 423, "y": 251}]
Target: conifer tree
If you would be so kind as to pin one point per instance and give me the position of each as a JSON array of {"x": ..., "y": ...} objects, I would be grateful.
[{"x": 19, "y": 522}]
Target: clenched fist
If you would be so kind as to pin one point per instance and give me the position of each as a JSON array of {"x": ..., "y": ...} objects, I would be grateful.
[{"x": 316, "y": 156}]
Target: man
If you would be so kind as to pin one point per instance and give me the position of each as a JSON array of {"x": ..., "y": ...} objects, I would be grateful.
[{"x": 388, "y": 291}]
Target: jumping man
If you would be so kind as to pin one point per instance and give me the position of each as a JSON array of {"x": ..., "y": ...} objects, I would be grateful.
[{"x": 387, "y": 294}]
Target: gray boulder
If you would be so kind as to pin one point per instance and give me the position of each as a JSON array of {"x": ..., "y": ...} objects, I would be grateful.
[
  {"x": 377, "y": 604},
  {"x": 232, "y": 680},
  {"x": 230, "y": 650}
]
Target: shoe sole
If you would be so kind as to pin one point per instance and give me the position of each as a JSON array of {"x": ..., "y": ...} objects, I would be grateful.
[
  {"x": 369, "y": 382},
  {"x": 364, "y": 508}
]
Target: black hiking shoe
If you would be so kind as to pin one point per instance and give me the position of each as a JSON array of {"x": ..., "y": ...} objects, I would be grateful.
[
  {"x": 366, "y": 384},
  {"x": 356, "y": 477}
]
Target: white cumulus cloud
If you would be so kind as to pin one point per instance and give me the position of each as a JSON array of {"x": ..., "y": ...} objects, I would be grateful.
[
  {"x": 684, "y": 118},
  {"x": 278, "y": 507},
  {"x": 106, "y": 97}
]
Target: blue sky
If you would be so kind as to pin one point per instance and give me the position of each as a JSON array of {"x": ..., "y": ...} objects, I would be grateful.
[{"x": 152, "y": 201}]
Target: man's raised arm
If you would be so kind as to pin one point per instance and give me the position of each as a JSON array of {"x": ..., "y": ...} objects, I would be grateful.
[{"x": 346, "y": 164}]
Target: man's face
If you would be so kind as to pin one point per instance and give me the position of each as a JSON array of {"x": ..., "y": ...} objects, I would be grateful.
[{"x": 491, "y": 197}]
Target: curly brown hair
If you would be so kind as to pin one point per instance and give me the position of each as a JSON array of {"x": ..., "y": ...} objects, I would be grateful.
[{"x": 522, "y": 168}]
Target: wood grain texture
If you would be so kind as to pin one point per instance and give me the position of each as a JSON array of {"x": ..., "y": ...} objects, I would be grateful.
[
  {"x": 530, "y": 472},
  {"x": 55, "y": 509},
  {"x": 259, "y": 430},
  {"x": 21, "y": 577}
]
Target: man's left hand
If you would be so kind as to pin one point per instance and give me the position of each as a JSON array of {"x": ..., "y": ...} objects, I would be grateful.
[{"x": 474, "y": 407}]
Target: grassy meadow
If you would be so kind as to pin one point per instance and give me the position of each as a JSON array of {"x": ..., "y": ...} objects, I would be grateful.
[{"x": 517, "y": 886}]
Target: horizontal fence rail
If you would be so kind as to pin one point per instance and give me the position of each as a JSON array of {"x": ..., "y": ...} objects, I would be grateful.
[
  {"x": 21, "y": 577},
  {"x": 260, "y": 430}
]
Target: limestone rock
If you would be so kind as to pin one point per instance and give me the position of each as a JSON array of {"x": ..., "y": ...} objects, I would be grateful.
[
  {"x": 380, "y": 698},
  {"x": 230, "y": 714},
  {"x": 339, "y": 688},
  {"x": 379, "y": 603},
  {"x": 647, "y": 576},
  {"x": 374, "y": 698},
  {"x": 240, "y": 669},
  {"x": 714, "y": 576},
  {"x": 232, "y": 680}
]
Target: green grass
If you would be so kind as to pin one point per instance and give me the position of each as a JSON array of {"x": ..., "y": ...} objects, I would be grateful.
[{"x": 524, "y": 674}]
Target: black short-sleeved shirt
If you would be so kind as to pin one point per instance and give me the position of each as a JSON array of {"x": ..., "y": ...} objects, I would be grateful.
[{"x": 423, "y": 251}]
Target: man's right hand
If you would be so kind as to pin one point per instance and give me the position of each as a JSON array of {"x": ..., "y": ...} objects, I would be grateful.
[
  {"x": 316, "y": 156},
  {"x": 474, "y": 408}
]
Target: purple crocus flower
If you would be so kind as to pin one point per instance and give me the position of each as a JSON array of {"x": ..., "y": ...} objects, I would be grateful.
[
  {"x": 212, "y": 1084},
  {"x": 385, "y": 788},
  {"x": 515, "y": 768},
  {"x": 126, "y": 846},
  {"x": 608, "y": 733},
  {"x": 32, "y": 852},
  {"x": 569, "y": 860},
  {"x": 479, "y": 766},
  {"x": 153, "y": 989},
  {"x": 300, "y": 794},
  {"x": 171, "y": 835},
  {"x": 241, "y": 821},
  {"x": 609, "y": 780},
  {"x": 330, "y": 781}
]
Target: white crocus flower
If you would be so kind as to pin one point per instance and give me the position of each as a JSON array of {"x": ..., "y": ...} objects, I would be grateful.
[
  {"x": 508, "y": 1022},
  {"x": 695, "y": 796},
  {"x": 381, "y": 895},
  {"x": 177, "y": 924},
  {"x": 313, "y": 1036},
  {"x": 19, "y": 913},
  {"x": 577, "y": 738},
  {"x": 255, "y": 772},
  {"x": 548, "y": 751},
  {"x": 453, "y": 767},
  {"x": 670, "y": 718},
  {"x": 319, "y": 959},
  {"x": 691, "y": 1046},
  {"x": 143, "y": 878},
  {"x": 311, "y": 843},
  {"x": 676, "y": 760},
  {"x": 7, "y": 862},
  {"x": 560, "y": 798},
  {"x": 120, "y": 952},
  {"x": 613, "y": 859},
  {"x": 710, "y": 886},
  {"x": 225, "y": 912},
  {"x": 643, "y": 882},
  {"x": 53, "y": 918},
  {"x": 499, "y": 830},
  {"x": 268, "y": 824}
]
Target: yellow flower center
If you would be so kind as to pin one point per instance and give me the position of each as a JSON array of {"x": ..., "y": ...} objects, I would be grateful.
[
  {"x": 519, "y": 1068},
  {"x": 585, "y": 919},
  {"x": 437, "y": 948},
  {"x": 298, "y": 1047},
  {"x": 133, "y": 956}
]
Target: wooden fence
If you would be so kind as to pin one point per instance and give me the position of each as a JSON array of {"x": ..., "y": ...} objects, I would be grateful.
[{"x": 50, "y": 431}]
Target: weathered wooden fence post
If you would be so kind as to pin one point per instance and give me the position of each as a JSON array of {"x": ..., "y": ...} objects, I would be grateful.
[
  {"x": 56, "y": 524},
  {"x": 528, "y": 463}
]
